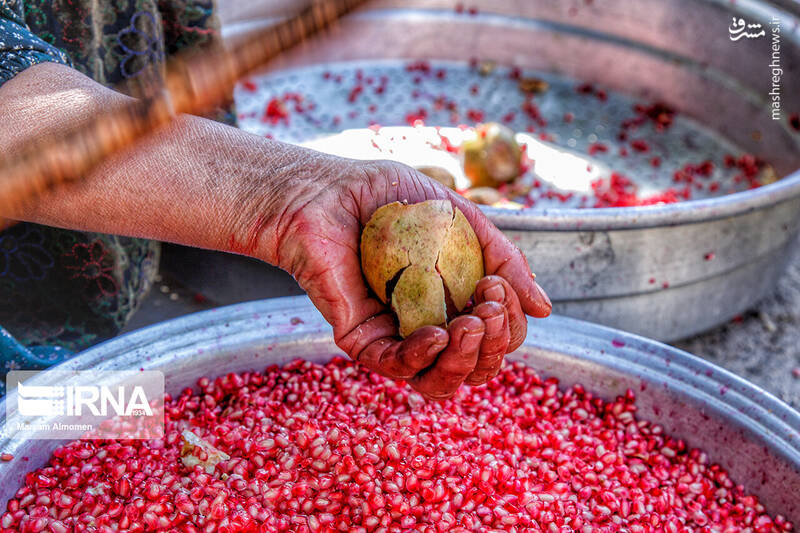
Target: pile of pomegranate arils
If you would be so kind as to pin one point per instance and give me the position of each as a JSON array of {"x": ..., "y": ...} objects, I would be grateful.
[{"x": 337, "y": 448}]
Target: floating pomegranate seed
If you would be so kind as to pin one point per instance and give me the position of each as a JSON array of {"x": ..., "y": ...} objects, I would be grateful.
[
  {"x": 569, "y": 117},
  {"x": 419, "y": 66},
  {"x": 526, "y": 163},
  {"x": 619, "y": 191},
  {"x": 661, "y": 114},
  {"x": 796, "y": 372},
  {"x": 597, "y": 147},
  {"x": 532, "y": 111},
  {"x": 585, "y": 88},
  {"x": 475, "y": 115},
  {"x": 354, "y": 93},
  {"x": 417, "y": 117},
  {"x": 446, "y": 145},
  {"x": 640, "y": 145},
  {"x": 561, "y": 197},
  {"x": 459, "y": 7},
  {"x": 794, "y": 121},
  {"x": 706, "y": 168},
  {"x": 276, "y": 112},
  {"x": 709, "y": 256},
  {"x": 249, "y": 86},
  {"x": 311, "y": 448}
]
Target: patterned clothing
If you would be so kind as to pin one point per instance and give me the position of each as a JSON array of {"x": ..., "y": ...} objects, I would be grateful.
[{"x": 61, "y": 288}]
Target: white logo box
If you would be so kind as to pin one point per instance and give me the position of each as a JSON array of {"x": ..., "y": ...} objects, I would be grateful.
[{"x": 86, "y": 404}]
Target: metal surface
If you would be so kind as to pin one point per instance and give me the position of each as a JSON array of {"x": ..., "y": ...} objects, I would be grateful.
[
  {"x": 665, "y": 271},
  {"x": 745, "y": 429}
]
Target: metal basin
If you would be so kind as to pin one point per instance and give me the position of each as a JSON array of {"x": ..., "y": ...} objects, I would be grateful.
[
  {"x": 748, "y": 431},
  {"x": 666, "y": 272}
]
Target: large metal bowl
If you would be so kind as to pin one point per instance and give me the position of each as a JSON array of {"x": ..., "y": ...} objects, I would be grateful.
[
  {"x": 648, "y": 269},
  {"x": 748, "y": 431}
]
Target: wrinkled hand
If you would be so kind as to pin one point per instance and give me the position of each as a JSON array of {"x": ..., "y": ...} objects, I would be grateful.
[{"x": 317, "y": 241}]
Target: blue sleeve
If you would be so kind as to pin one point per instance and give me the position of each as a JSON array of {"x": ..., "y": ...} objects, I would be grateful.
[{"x": 19, "y": 48}]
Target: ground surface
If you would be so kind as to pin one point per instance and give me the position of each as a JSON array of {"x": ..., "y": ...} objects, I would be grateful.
[{"x": 762, "y": 346}]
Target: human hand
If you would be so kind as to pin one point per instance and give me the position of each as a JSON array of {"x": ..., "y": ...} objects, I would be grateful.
[{"x": 316, "y": 239}]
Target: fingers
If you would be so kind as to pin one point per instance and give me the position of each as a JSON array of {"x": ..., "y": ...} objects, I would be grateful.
[
  {"x": 497, "y": 289},
  {"x": 495, "y": 342},
  {"x": 455, "y": 363},
  {"x": 504, "y": 259},
  {"x": 374, "y": 344},
  {"x": 416, "y": 353}
]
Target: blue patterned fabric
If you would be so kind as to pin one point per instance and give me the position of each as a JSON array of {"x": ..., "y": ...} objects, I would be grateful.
[{"x": 19, "y": 48}]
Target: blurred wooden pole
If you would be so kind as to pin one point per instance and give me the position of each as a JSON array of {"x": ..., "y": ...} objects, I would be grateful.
[{"x": 193, "y": 84}]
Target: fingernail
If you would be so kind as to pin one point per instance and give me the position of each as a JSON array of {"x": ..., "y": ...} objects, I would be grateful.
[
  {"x": 544, "y": 295},
  {"x": 435, "y": 348},
  {"x": 470, "y": 342},
  {"x": 494, "y": 325},
  {"x": 476, "y": 381},
  {"x": 495, "y": 293}
]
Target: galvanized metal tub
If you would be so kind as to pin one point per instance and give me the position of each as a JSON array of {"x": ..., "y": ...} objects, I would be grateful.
[
  {"x": 666, "y": 272},
  {"x": 751, "y": 433}
]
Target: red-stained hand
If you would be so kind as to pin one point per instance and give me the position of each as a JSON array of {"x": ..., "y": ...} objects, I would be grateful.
[{"x": 318, "y": 242}]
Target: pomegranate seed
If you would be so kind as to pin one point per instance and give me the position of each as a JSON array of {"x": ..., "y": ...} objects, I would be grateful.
[
  {"x": 794, "y": 121},
  {"x": 597, "y": 147},
  {"x": 341, "y": 452}
]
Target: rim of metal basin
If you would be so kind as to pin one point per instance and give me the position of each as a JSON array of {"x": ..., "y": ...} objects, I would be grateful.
[
  {"x": 610, "y": 218},
  {"x": 294, "y": 320}
]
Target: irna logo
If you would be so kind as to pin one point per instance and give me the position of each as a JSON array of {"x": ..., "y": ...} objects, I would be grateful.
[
  {"x": 98, "y": 400},
  {"x": 85, "y": 404}
]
